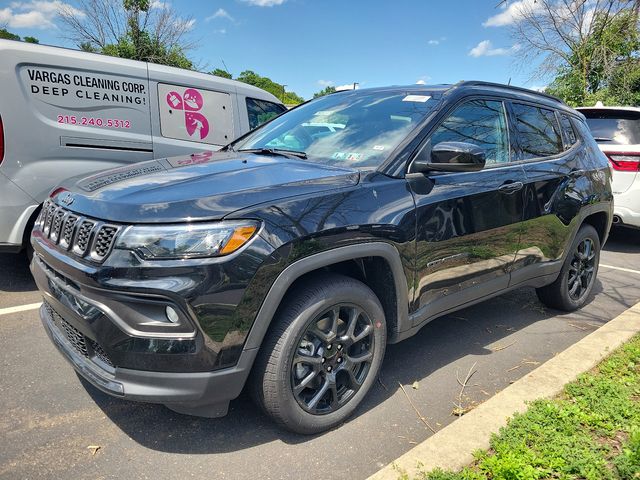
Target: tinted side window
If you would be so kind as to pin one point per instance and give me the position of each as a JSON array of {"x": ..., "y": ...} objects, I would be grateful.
[
  {"x": 538, "y": 131},
  {"x": 567, "y": 131},
  {"x": 261, "y": 111},
  {"x": 481, "y": 122}
]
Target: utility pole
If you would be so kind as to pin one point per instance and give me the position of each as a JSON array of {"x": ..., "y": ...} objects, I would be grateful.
[{"x": 283, "y": 92}]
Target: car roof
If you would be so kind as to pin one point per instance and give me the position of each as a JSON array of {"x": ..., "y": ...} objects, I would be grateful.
[
  {"x": 619, "y": 109},
  {"x": 483, "y": 88}
]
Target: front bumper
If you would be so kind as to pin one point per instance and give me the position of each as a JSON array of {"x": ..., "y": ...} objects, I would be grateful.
[{"x": 198, "y": 393}]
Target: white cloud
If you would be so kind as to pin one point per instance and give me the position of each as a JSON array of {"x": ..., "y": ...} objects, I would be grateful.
[
  {"x": 221, "y": 31},
  {"x": 538, "y": 88},
  {"x": 486, "y": 49},
  {"x": 325, "y": 83},
  {"x": 264, "y": 3},
  {"x": 348, "y": 86},
  {"x": 159, "y": 5},
  {"x": 423, "y": 80},
  {"x": 220, "y": 13},
  {"x": 434, "y": 42},
  {"x": 512, "y": 13},
  {"x": 34, "y": 14}
]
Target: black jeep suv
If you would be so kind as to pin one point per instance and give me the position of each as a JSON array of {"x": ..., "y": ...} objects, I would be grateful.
[{"x": 288, "y": 260}]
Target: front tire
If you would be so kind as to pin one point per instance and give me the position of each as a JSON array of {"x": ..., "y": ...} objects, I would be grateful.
[
  {"x": 571, "y": 289},
  {"x": 322, "y": 354}
]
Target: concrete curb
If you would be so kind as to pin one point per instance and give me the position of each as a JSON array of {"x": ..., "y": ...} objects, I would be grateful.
[{"x": 452, "y": 447}]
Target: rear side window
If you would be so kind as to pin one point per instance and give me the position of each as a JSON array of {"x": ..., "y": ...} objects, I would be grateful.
[
  {"x": 611, "y": 127},
  {"x": 568, "y": 132},
  {"x": 538, "y": 131},
  {"x": 481, "y": 122},
  {"x": 261, "y": 111}
]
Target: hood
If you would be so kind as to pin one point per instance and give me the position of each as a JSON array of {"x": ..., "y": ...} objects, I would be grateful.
[{"x": 202, "y": 186}]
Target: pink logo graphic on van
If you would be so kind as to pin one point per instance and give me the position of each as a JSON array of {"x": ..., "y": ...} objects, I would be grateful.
[{"x": 190, "y": 102}]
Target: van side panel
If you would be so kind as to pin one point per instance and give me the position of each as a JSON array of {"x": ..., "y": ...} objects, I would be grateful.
[
  {"x": 64, "y": 116},
  {"x": 190, "y": 111}
]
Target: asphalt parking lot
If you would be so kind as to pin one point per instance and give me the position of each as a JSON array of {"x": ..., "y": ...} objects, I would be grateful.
[{"x": 48, "y": 418}]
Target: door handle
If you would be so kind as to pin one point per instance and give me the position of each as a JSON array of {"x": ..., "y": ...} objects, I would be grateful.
[{"x": 510, "y": 187}]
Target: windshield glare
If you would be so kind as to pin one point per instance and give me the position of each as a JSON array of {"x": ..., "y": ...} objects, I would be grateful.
[{"x": 357, "y": 130}]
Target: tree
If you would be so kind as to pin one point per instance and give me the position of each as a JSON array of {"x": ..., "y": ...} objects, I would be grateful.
[
  {"x": 7, "y": 35},
  {"x": 218, "y": 72},
  {"x": 130, "y": 29},
  {"x": 265, "y": 83},
  {"x": 577, "y": 41},
  {"x": 613, "y": 71},
  {"x": 325, "y": 91}
]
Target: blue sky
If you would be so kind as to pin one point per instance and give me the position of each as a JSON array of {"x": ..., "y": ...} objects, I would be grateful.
[{"x": 308, "y": 44}]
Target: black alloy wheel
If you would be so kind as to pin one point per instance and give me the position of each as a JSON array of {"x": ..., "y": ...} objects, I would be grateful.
[
  {"x": 581, "y": 269},
  {"x": 333, "y": 359},
  {"x": 576, "y": 279},
  {"x": 322, "y": 353}
]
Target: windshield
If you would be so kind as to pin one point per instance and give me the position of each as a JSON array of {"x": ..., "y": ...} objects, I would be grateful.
[
  {"x": 615, "y": 128},
  {"x": 355, "y": 129}
]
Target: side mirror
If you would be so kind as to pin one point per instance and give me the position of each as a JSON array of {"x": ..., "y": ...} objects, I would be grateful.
[{"x": 450, "y": 157}]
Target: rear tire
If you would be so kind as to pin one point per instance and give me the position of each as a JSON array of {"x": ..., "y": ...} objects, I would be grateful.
[
  {"x": 322, "y": 354},
  {"x": 573, "y": 286}
]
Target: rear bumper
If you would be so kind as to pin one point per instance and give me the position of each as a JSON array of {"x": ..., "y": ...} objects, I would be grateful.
[
  {"x": 627, "y": 205},
  {"x": 198, "y": 393}
]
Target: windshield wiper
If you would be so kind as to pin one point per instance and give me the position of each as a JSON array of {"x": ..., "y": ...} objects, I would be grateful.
[
  {"x": 603, "y": 139},
  {"x": 276, "y": 152}
]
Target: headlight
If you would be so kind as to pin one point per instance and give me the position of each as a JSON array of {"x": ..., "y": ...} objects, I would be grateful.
[{"x": 195, "y": 240}]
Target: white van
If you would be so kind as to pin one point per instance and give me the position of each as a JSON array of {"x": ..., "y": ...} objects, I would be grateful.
[{"x": 64, "y": 113}]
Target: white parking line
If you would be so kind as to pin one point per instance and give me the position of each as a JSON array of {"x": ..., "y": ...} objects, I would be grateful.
[
  {"x": 19, "y": 308},
  {"x": 628, "y": 270}
]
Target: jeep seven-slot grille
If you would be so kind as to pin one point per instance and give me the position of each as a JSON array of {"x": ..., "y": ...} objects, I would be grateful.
[
  {"x": 77, "y": 340},
  {"x": 85, "y": 237}
]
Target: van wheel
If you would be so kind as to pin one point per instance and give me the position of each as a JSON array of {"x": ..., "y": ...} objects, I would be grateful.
[
  {"x": 571, "y": 289},
  {"x": 322, "y": 354}
]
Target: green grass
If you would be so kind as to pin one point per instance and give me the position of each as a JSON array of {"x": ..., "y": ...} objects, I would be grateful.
[{"x": 590, "y": 432}]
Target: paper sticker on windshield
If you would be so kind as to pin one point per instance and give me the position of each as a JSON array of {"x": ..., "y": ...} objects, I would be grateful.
[
  {"x": 416, "y": 98},
  {"x": 352, "y": 157}
]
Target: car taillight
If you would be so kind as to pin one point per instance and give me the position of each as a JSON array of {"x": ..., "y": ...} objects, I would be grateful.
[
  {"x": 1, "y": 141},
  {"x": 625, "y": 162}
]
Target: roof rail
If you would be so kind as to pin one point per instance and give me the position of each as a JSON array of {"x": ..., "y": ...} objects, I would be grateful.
[{"x": 472, "y": 83}]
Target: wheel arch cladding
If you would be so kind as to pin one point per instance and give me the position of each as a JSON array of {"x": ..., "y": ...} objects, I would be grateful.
[
  {"x": 376, "y": 264},
  {"x": 599, "y": 221}
]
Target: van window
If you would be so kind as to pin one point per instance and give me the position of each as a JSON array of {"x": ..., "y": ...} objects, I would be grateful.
[
  {"x": 481, "y": 122},
  {"x": 261, "y": 111},
  {"x": 195, "y": 114},
  {"x": 538, "y": 130}
]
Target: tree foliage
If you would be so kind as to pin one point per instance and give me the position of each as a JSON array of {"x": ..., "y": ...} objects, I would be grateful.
[
  {"x": 325, "y": 91},
  {"x": 7, "y": 35},
  {"x": 218, "y": 72},
  {"x": 265, "y": 83},
  {"x": 613, "y": 72},
  {"x": 589, "y": 47},
  {"x": 130, "y": 29}
]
